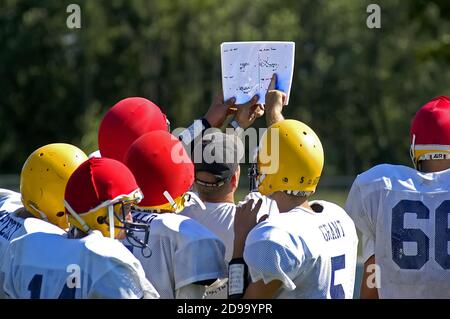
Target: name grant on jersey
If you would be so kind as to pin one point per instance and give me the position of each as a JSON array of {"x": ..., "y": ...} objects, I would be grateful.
[
  {"x": 332, "y": 230},
  {"x": 8, "y": 227}
]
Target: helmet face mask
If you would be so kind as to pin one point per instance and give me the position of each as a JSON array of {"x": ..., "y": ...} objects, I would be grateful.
[
  {"x": 133, "y": 237},
  {"x": 131, "y": 230},
  {"x": 121, "y": 226}
]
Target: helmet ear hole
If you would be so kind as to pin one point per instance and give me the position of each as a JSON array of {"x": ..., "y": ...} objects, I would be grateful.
[
  {"x": 60, "y": 214},
  {"x": 101, "y": 219}
]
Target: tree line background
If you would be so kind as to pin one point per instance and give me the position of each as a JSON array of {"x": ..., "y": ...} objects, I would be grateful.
[{"x": 358, "y": 88}]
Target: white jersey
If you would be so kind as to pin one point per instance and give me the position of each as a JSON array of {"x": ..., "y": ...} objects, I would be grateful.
[
  {"x": 403, "y": 216},
  {"x": 9, "y": 201},
  {"x": 219, "y": 218},
  {"x": 313, "y": 254},
  {"x": 51, "y": 266},
  {"x": 183, "y": 252},
  {"x": 12, "y": 226}
]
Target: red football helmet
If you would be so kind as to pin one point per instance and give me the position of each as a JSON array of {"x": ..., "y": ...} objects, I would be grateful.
[
  {"x": 430, "y": 131},
  {"x": 127, "y": 120},
  {"x": 98, "y": 195},
  {"x": 163, "y": 170}
]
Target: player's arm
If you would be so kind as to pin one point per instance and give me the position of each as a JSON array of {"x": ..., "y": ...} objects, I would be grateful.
[
  {"x": 368, "y": 286},
  {"x": 260, "y": 290},
  {"x": 275, "y": 100},
  {"x": 245, "y": 220},
  {"x": 362, "y": 211}
]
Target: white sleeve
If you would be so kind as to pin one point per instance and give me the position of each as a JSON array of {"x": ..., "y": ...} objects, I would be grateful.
[
  {"x": 6, "y": 193},
  {"x": 364, "y": 219},
  {"x": 268, "y": 261},
  {"x": 199, "y": 260},
  {"x": 122, "y": 282},
  {"x": 9, "y": 201}
]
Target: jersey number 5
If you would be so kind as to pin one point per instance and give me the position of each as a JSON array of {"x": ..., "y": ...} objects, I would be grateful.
[
  {"x": 337, "y": 263},
  {"x": 400, "y": 234}
]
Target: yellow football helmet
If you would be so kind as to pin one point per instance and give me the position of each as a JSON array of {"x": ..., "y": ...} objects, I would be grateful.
[
  {"x": 43, "y": 180},
  {"x": 290, "y": 159}
]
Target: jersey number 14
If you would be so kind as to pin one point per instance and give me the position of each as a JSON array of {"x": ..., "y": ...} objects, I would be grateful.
[{"x": 35, "y": 286}]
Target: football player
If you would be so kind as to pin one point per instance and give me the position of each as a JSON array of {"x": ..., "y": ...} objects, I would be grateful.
[
  {"x": 403, "y": 214},
  {"x": 216, "y": 183},
  {"x": 180, "y": 257},
  {"x": 217, "y": 179},
  {"x": 40, "y": 204},
  {"x": 309, "y": 249},
  {"x": 89, "y": 263}
]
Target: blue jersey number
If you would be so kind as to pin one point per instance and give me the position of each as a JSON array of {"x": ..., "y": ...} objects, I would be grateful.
[
  {"x": 337, "y": 263},
  {"x": 400, "y": 234},
  {"x": 35, "y": 286}
]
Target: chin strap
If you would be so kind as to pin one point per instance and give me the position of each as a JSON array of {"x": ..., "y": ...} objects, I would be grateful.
[
  {"x": 43, "y": 215},
  {"x": 170, "y": 200},
  {"x": 196, "y": 199},
  {"x": 77, "y": 217},
  {"x": 412, "y": 150}
]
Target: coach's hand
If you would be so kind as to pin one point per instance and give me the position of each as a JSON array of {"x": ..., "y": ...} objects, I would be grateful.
[
  {"x": 244, "y": 222},
  {"x": 248, "y": 112},
  {"x": 218, "y": 111}
]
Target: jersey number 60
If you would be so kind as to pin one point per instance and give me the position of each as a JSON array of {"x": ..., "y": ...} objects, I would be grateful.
[{"x": 400, "y": 234}]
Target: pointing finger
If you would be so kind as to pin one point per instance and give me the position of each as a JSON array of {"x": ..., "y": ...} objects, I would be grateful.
[{"x": 273, "y": 83}]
